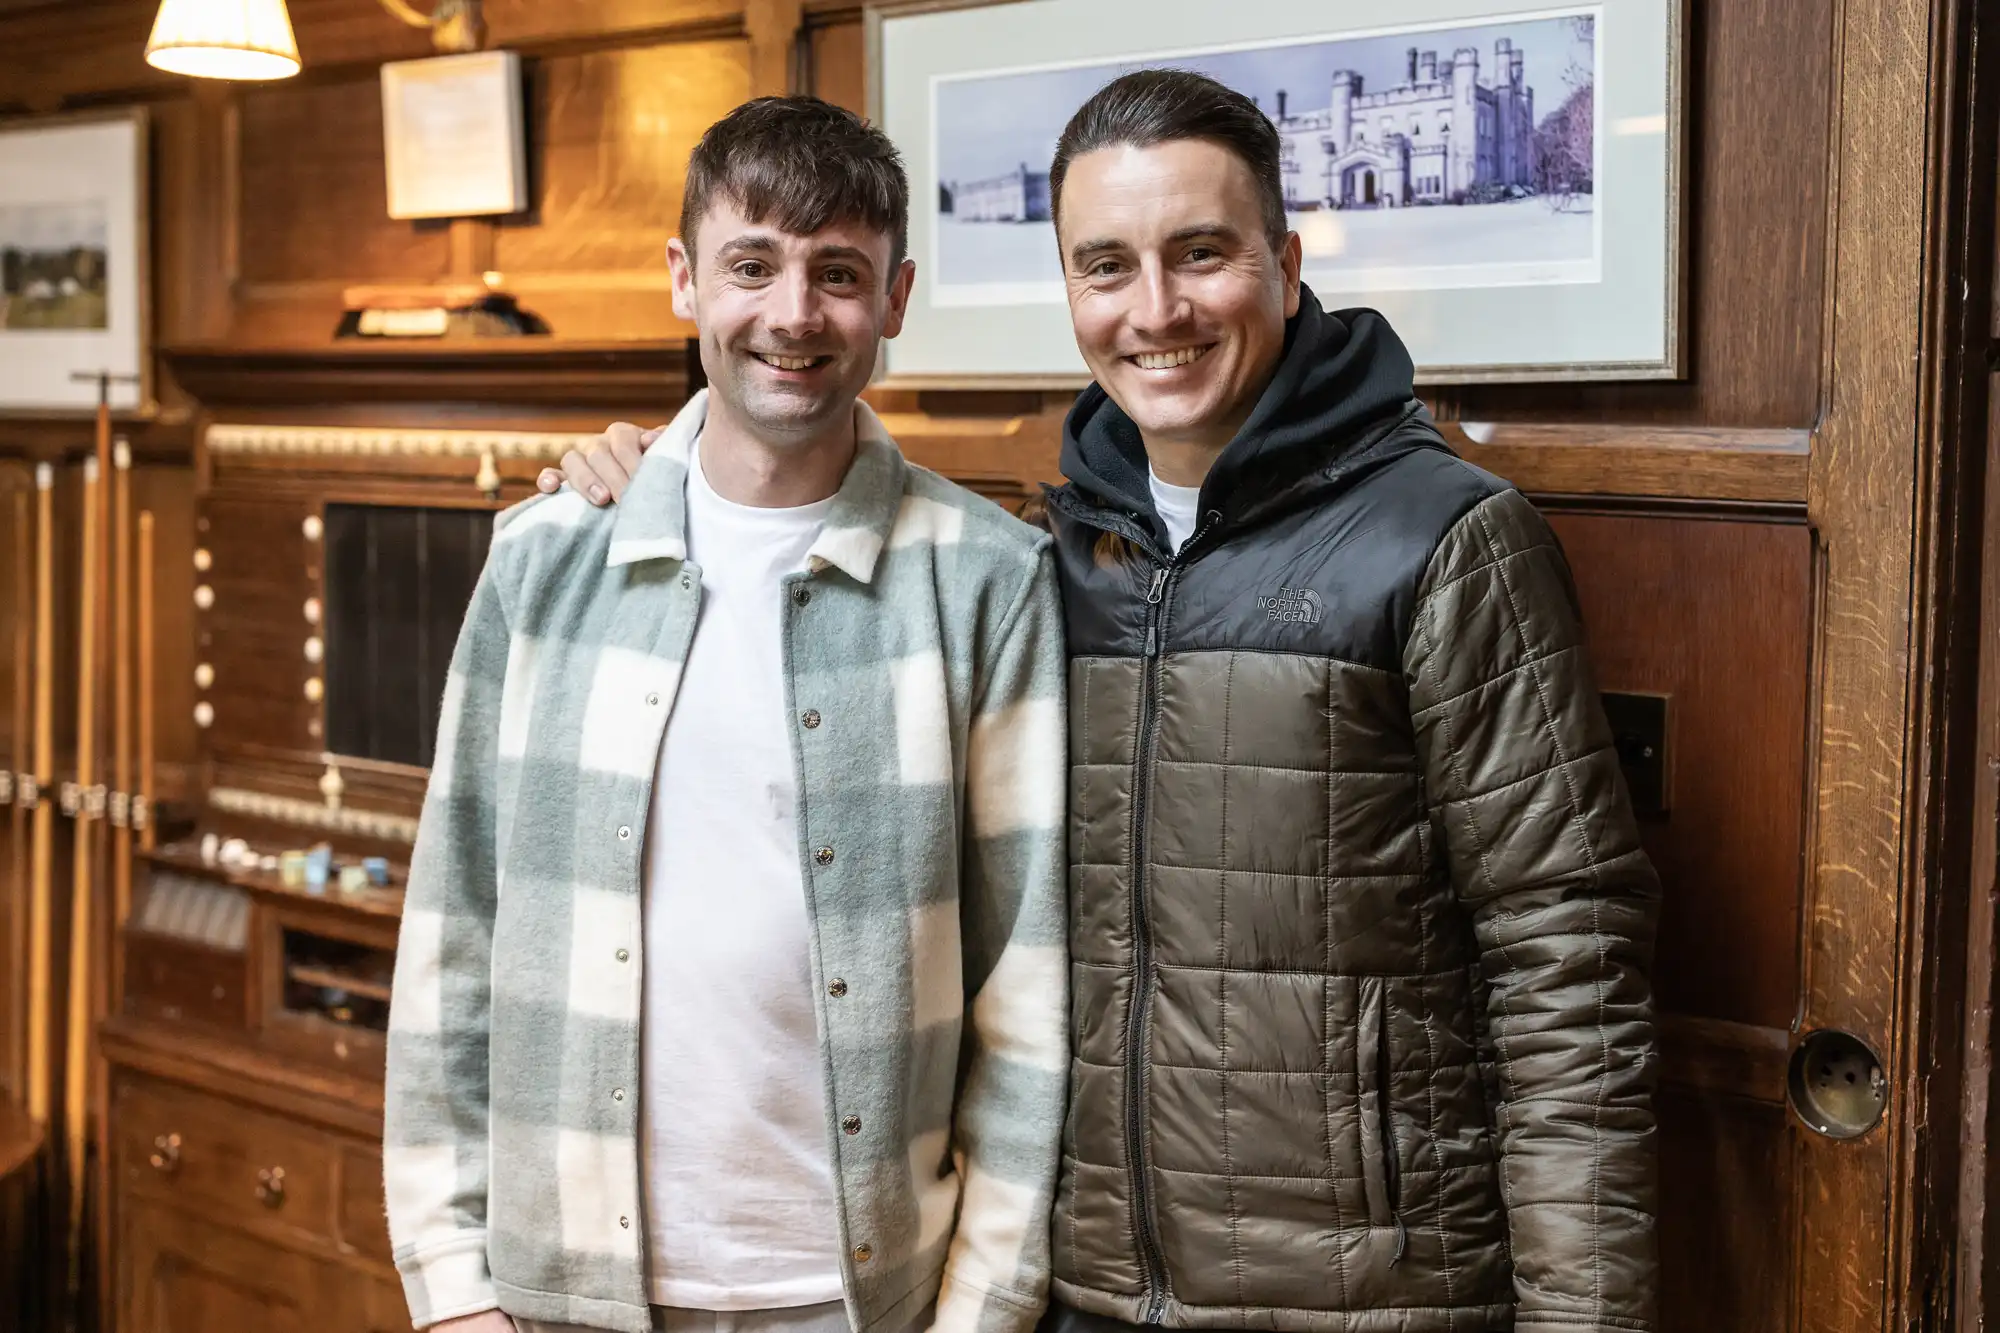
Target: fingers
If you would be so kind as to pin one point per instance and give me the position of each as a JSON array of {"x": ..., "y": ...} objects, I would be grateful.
[
  {"x": 602, "y": 474},
  {"x": 614, "y": 458},
  {"x": 577, "y": 472}
]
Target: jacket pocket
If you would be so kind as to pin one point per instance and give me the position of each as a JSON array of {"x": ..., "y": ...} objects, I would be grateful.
[{"x": 1380, "y": 1163}]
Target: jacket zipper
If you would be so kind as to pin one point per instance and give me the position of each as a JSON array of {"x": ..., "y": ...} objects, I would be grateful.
[
  {"x": 1142, "y": 959},
  {"x": 1392, "y": 1163},
  {"x": 1159, "y": 600}
]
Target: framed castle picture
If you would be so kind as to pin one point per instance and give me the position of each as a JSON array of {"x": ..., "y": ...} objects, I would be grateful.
[
  {"x": 1501, "y": 178},
  {"x": 73, "y": 281}
]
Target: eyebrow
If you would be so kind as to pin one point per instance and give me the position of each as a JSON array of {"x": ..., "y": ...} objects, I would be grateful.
[
  {"x": 758, "y": 244},
  {"x": 752, "y": 245},
  {"x": 851, "y": 254},
  {"x": 1084, "y": 251}
]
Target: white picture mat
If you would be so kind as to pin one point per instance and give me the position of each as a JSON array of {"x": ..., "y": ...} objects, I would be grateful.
[
  {"x": 83, "y": 162},
  {"x": 452, "y": 136},
  {"x": 1623, "y": 325}
]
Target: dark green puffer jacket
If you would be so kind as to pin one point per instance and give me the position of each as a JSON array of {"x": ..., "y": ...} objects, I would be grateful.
[{"x": 1360, "y": 922}]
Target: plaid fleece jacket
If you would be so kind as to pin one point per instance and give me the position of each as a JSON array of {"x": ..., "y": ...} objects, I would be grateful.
[{"x": 926, "y": 635}]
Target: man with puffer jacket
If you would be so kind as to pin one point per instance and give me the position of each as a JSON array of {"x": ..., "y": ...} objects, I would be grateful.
[{"x": 1360, "y": 924}]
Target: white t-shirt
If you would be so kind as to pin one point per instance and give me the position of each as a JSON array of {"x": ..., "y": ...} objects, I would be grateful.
[
  {"x": 738, "y": 1180},
  {"x": 1179, "y": 507}
]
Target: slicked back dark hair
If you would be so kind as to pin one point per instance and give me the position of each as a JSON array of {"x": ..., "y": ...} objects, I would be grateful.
[
  {"x": 1156, "y": 106},
  {"x": 800, "y": 164}
]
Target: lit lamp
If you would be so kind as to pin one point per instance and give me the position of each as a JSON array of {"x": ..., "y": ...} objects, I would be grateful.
[
  {"x": 252, "y": 39},
  {"x": 224, "y": 39}
]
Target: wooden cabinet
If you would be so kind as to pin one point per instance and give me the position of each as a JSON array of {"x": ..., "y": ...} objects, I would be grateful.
[
  {"x": 186, "y": 1273},
  {"x": 234, "y": 1217}
]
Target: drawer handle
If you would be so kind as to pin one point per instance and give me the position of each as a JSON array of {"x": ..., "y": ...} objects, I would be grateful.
[
  {"x": 166, "y": 1155},
  {"x": 271, "y": 1186}
]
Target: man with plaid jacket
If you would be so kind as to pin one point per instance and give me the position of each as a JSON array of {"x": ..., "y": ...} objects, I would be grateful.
[{"x": 731, "y": 990}]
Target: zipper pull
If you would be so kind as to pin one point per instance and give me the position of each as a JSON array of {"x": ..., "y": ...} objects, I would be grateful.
[
  {"x": 1152, "y": 641},
  {"x": 1159, "y": 583}
]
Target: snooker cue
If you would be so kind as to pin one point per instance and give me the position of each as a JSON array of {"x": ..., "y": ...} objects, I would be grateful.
[
  {"x": 143, "y": 806},
  {"x": 40, "y": 904}
]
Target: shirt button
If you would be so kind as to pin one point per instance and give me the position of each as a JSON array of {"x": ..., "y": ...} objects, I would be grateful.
[
  {"x": 624, "y": 832},
  {"x": 801, "y": 595},
  {"x": 686, "y": 582},
  {"x": 624, "y": 955},
  {"x": 618, "y": 1094},
  {"x": 837, "y": 989},
  {"x": 852, "y": 1124},
  {"x": 811, "y": 719},
  {"x": 824, "y": 856},
  {"x": 863, "y": 1253},
  {"x": 652, "y": 701},
  {"x": 625, "y": 1222}
]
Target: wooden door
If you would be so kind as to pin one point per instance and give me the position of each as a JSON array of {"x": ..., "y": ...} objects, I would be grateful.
[{"x": 181, "y": 1274}]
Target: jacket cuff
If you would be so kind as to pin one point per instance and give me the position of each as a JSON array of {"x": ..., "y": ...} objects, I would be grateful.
[{"x": 448, "y": 1279}]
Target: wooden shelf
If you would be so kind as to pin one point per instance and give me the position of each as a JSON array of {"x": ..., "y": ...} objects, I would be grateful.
[
  {"x": 510, "y": 372},
  {"x": 372, "y": 901},
  {"x": 327, "y": 978}
]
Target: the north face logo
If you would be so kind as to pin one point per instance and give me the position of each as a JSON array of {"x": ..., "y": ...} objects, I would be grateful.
[{"x": 1293, "y": 606}]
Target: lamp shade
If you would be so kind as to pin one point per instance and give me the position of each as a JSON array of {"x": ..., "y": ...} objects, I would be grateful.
[{"x": 224, "y": 39}]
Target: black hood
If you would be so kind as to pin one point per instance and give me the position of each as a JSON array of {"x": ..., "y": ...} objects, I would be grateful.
[{"x": 1343, "y": 384}]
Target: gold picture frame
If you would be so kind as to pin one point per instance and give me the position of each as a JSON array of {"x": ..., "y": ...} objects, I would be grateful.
[{"x": 131, "y": 224}]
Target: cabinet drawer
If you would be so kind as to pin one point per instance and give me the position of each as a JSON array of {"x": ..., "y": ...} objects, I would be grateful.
[
  {"x": 364, "y": 1224},
  {"x": 226, "y": 1161}
]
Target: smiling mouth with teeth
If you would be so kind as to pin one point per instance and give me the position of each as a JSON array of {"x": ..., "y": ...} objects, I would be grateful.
[
  {"x": 791, "y": 362},
  {"x": 1184, "y": 356}
]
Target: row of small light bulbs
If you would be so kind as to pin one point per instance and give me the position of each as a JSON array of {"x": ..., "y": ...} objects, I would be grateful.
[{"x": 315, "y": 647}]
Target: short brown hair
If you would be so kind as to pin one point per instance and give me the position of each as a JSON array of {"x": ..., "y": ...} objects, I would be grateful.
[
  {"x": 1156, "y": 106},
  {"x": 800, "y": 164}
]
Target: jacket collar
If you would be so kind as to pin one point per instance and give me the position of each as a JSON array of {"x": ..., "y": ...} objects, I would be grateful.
[{"x": 651, "y": 523}]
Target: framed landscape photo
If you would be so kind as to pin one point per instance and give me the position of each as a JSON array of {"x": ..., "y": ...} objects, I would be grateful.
[
  {"x": 73, "y": 277},
  {"x": 1501, "y": 179}
]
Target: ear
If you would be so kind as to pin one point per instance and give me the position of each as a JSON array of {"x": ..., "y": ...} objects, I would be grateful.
[
  {"x": 681, "y": 265},
  {"x": 899, "y": 298},
  {"x": 1290, "y": 260}
]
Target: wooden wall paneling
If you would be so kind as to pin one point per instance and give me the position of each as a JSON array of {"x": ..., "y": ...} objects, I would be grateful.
[
  {"x": 1664, "y": 462},
  {"x": 773, "y": 27},
  {"x": 1868, "y": 947},
  {"x": 314, "y": 201},
  {"x": 1757, "y": 194},
  {"x": 839, "y": 60},
  {"x": 195, "y": 140},
  {"x": 1725, "y": 1195},
  {"x": 610, "y": 132},
  {"x": 169, "y": 492},
  {"x": 253, "y": 634},
  {"x": 1717, "y": 616},
  {"x": 78, "y": 50}
]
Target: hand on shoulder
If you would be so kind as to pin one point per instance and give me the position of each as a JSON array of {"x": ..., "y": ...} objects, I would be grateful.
[{"x": 602, "y": 473}]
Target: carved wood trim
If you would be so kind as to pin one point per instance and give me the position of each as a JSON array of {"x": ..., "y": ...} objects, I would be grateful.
[
  {"x": 492, "y": 372},
  {"x": 227, "y": 440},
  {"x": 311, "y": 814},
  {"x": 1755, "y": 466}
]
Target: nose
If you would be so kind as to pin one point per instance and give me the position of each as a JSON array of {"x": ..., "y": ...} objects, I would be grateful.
[
  {"x": 794, "y": 310},
  {"x": 1161, "y": 306}
]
